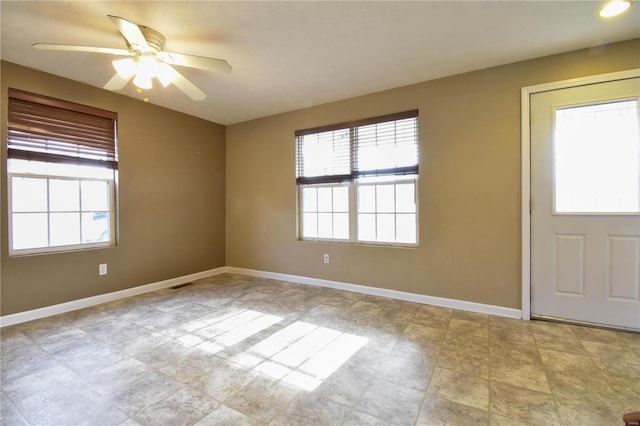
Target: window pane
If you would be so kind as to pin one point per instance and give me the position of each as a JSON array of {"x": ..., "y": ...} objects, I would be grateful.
[
  {"x": 325, "y": 199},
  {"x": 341, "y": 225},
  {"x": 95, "y": 195},
  {"x": 309, "y": 225},
  {"x": 325, "y": 153},
  {"x": 405, "y": 198},
  {"x": 30, "y": 230},
  {"x": 28, "y": 194},
  {"x": 69, "y": 170},
  {"x": 385, "y": 199},
  {"x": 96, "y": 227},
  {"x": 379, "y": 161},
  {"x": 386, "y": 228},
  {"x": 340, "y": 199},
  {"x": 64, "y": 195},
  {"x": 325, "y": 225},
  {"x": 367, "y": 227},
  {"x": 309, "y": 200},
  {"x": 65, "y": 229},
  {"x": 387, "y": 145},
  {"x": 366, "y": 199},
  {"x": 406, "y": 228},
  {"x": 597, "y": 158}
]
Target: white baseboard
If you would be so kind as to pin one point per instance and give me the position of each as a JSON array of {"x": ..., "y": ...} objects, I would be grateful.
[
  {"x": 392, "y": 294},
  {"x": 103, "y": 298},
  {"x": 73, "y": 305}
]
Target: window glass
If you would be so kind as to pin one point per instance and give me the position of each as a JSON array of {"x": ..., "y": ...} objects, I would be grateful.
[
  {"x": 341, "y": 225},
  {"x": 29, "y": 194},
  {"x": 96, "y": 227},
  {"x": 95, "y": 195},
  {"x": 597, "y": 158},
  {"x": 55, "y": 212},
  {"x": 385, "y": 200},
  {"x": 64, "y": 195},
  {"x": 405, "y": 198},
  {"x": 309, "y": 199},
  {"x": 64, "y": 229},
  {"x": 366, "y": 227},
  {"x": 30, "y": 230},
  {"x": 325, "y": 212},
  {"x": 371, "y": 165}
]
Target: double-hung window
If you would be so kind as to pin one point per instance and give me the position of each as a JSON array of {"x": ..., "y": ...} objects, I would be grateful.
[
  {"x": 357, "y": 182},
  {"x": 62, "y": 165}
]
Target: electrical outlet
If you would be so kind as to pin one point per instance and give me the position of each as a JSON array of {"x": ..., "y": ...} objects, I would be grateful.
[
  {"x": 326, "y": 258},
  {"x": 102, "y": 269}
]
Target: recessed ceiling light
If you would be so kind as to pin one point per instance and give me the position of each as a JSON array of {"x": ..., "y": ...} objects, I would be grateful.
[{"x": 614, "y": 7}]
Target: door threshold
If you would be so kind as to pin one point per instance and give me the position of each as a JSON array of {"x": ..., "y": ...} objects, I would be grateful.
[{"x": 583, "y": 323}]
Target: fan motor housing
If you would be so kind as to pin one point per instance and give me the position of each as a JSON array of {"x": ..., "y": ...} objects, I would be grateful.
[{"x": 153, "y": 37}]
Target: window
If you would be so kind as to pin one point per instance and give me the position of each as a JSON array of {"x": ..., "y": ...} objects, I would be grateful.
[
  {"x": 357, "y": 182},
  {"x": 62, "y": 164},
  {"x": 597, "y": 158}
]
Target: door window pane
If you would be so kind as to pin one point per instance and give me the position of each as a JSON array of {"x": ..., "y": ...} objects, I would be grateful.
[{"x": 597, "y": 158}]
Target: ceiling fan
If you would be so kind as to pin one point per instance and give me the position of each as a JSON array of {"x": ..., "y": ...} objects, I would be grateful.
[{"x": 145, "y": 59}]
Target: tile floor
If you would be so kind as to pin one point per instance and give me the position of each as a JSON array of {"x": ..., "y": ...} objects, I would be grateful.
[{"x": 236, "y": 350}]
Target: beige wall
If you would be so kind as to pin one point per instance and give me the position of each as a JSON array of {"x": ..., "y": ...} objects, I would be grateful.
[
  {"x": 469, "y": 188},
  {"x": 171, "y": 201}
]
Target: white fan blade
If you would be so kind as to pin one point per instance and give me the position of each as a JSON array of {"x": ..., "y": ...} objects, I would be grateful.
[
  {"x": 131, "y": 33},
  {"x": 188, "y": 87},
  {"x": 117, "y": 82},
  {"x": 71, "y": 48},
  {"x": 193, "y": 61}
]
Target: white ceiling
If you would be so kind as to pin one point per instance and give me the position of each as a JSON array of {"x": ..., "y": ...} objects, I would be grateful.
[{"x": 290, "y": 55}]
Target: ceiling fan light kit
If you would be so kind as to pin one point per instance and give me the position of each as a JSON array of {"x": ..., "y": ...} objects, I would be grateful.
[
  {"x": 145, "y": 59},
  {"x": 126, "y": 67}
]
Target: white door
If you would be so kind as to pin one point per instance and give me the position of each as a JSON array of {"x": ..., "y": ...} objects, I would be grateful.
[{"x": 585, "y": 204}]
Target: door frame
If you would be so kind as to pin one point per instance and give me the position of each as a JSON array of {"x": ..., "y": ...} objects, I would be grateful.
[{"x": 525, "y": 164}]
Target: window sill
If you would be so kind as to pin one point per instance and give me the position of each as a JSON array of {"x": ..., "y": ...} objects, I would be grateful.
[
  {"x": 361, "y": 243},
  {"x": 60, "y": 250}
]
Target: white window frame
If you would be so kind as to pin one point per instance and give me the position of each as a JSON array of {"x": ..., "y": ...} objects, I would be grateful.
[
  {"x": 353, "y": 212},
  {"x": 60, "y": 248},
  {"x": 353, "y": 185},
  {"x": 398, "y": 180},
  {"x": 53, "y": 139}
]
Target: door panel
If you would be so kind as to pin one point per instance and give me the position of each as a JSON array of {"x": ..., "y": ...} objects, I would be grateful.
[{"x": 585, "y": 190}]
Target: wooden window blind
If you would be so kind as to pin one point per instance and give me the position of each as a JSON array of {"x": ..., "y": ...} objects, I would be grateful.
[{"x": 41, "y": 128}]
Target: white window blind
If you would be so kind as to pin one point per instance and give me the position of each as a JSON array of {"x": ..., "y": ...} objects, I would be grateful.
[{"x": 386, "y": 145}]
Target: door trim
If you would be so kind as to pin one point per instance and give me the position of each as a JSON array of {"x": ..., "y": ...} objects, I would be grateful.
[{"x": 525, "y": 164}]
